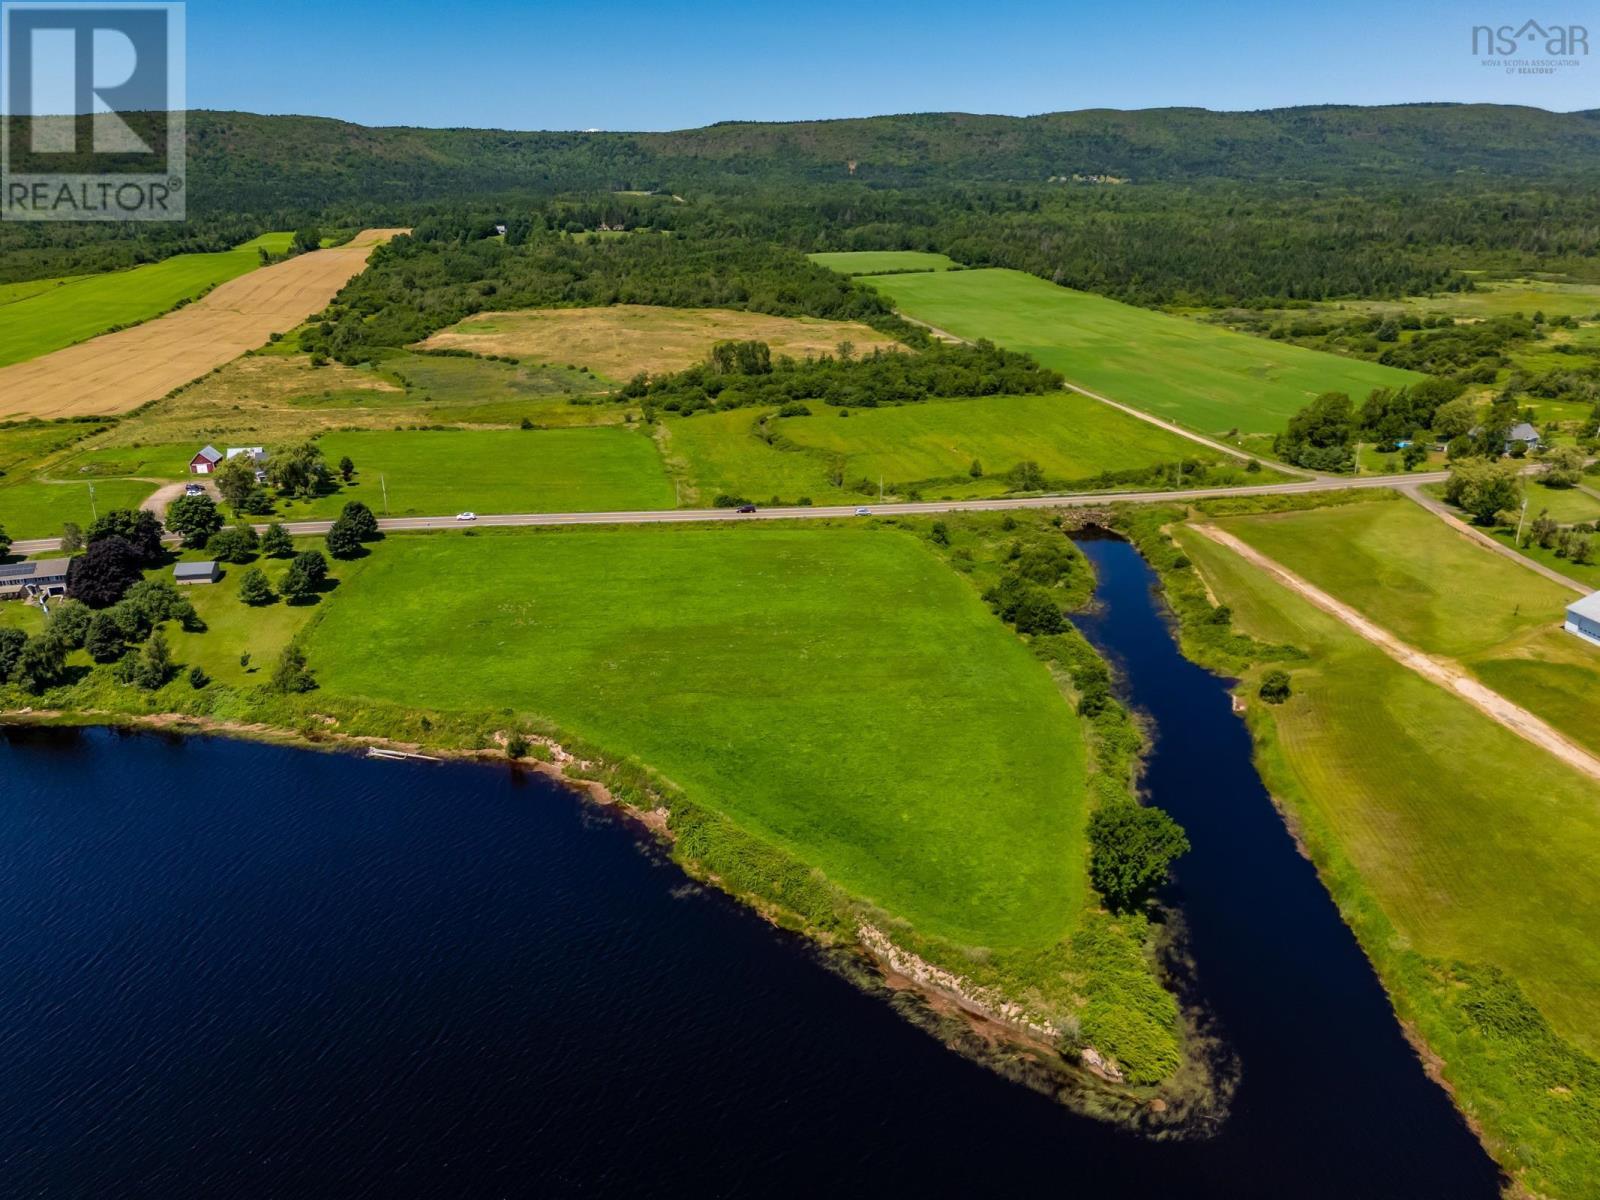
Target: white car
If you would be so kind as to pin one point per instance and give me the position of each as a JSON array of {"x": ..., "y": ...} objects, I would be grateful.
[
  {"x": 194, "y": 489},
  {"x": 466, "y": 516},
  {"x": 863, "y": 512}
]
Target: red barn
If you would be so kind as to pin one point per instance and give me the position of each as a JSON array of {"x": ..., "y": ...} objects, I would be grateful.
[{"x": 205, "y": 462}]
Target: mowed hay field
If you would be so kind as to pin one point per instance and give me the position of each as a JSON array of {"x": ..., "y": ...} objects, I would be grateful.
[
  {"x": 1444, "y": 594},
  {"x": 839, "y": 692},
  {"x": 624, "y": 339},
  {"x": 1210, "y": 379},
  {"x": 121, "y": 371},
  {"x": 1466, "y": 860},
  {"x": 46, "y": 315},
  {"x": 930, "y": 446},
  {"x": 876, "y": 262},
  {"x": 1069, "y": 435}
]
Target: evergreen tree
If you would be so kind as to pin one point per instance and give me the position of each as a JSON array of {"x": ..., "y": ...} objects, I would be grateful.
[
  {"x": 153, "y": 667},
  {"x": 305, "y": 576},
  {"x": 254, "y": 588},
  {"x": 276, "y": 542}
]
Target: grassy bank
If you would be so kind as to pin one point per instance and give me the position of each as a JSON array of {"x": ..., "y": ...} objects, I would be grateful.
[
  {"x": 836, "y": 726},
  {"x": 1462, "y": 858}
]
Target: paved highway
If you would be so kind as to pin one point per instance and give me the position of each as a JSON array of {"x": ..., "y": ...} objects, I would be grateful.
[{"x": 679, "y": 515}]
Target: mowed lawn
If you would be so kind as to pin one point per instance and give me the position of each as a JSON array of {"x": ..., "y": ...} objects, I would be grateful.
[
  {"x": 874, "y": 262},
  {"x": 439, "y": 472},
  {"x": 836, "y": 690},
  {"x": 1445, "y": 836},
  {"x": 90, "y": 305},
  {"x": 1446, "y": 595},
  {"x": 1208, "y": 378},
  {"x": 33, "y": 508}
]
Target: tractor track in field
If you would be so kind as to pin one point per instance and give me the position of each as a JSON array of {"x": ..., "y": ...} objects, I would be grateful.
[{"x": 1445, "y": 672}]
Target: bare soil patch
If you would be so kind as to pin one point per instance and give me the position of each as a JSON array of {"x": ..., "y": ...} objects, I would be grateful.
[
  {"x": 624, "y": 339},
  {"x": 120, "y": 371}
]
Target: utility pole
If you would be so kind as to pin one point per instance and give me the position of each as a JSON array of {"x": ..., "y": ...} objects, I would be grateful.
[
  {"x": 94, "y": 512},
  {"x": 384, "y": 484},
  {"x": 1522, "y": 519}
]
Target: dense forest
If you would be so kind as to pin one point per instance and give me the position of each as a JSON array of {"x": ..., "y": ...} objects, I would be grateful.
[
  {"x": 1168, "y": 207},
  {"x": 435, "y": 277}
]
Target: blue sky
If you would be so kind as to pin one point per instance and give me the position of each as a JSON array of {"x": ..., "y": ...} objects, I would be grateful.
[{"x": 670, "y": 64}]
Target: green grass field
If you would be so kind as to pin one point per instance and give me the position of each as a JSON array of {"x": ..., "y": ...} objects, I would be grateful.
[
  {"x": 837, "y": 691},
  {"x": 90, "y": 305},
  {"x": 429, "y": 473},
  {"x": 929, "y": 447},
  {"x": 10, "y": 293},
  {"x": 1567, "y": 505},
  {"x": 32, "y": 508},
  {"x": 1069, "y": 435},
  {"x": 1208, "y": 378},
  {"x": 877, "y": 262},
  {"x": 1454, "y": 848},
  {"x": 1440, "y": 592}
]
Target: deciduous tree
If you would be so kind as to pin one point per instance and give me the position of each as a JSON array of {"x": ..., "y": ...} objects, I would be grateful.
[
  {"x": 141, "y": 530},
  {"x": 104, "y": 572},
  {"x": 1131, "y": 848},
  {"x": 1484, "y": 488},
  {"x": 291, "y": 675},
  {"x": 194, "y": 518}
]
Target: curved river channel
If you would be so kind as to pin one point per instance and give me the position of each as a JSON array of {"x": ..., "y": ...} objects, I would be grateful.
[{"x": 237, "y": 970}]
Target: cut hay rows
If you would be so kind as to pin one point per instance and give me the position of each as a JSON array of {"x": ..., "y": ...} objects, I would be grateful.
[{"x": 120, "y": 371}]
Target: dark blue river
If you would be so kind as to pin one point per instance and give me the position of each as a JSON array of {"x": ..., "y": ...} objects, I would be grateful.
[{"x": 235, "y": 970}]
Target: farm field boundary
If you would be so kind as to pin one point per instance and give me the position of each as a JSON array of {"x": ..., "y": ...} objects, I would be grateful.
[{"x": 120, "y": 371}]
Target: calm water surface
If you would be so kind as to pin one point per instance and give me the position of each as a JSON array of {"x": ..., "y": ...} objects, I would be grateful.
[{"x": 239, "y": 970}]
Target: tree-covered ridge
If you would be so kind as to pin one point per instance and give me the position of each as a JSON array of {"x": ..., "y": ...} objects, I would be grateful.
[
  {"x": 419, "y": 284},
  {"x": 1335, "y": 201},
  {"x": 300, "y": 160}
]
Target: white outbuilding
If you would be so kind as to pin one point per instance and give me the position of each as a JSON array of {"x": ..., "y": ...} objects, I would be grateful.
[{"x": 1583, "y": 618}]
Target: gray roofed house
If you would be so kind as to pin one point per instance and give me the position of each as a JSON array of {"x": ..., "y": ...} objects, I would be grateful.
[
  {"x": 1524, "y": 434},
  {"x": 45, "y": 576},
  {"x": 196, "y": 572}
]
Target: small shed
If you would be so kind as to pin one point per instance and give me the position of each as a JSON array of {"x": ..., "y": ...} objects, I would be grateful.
[
  {"x": 196, "y": 572},
  {"x": 1583, "y": 618},
  {"x": 206, "y": 461}
]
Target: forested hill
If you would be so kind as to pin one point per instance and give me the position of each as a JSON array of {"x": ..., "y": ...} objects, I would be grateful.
[{"x": 250, "y": 162}]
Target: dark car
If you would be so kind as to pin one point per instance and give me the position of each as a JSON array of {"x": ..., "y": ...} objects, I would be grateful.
[{"x": 745, "y": 508}]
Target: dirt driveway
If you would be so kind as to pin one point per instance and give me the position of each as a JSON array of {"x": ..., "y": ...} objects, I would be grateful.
[{"x": 1445, "y": 672}]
